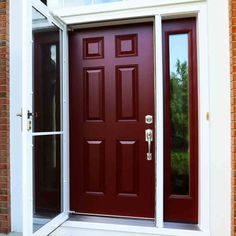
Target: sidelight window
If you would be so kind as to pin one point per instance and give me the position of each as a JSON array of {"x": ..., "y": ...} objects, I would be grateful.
[
  {"x": 181, "y": 121},
  {"x": 179, "y": 114}
]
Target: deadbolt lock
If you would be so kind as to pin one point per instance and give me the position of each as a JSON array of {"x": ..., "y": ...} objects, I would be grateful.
[{"x": 148, "y": 119}]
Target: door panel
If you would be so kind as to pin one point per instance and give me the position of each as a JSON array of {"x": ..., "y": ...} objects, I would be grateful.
[
  {"x": 127, "y": 92},
  {"x": 127, "y": 168},
  {"x": 111, "y": 92},
  {"x": 94, "y": 166},
  {"x": 94, "y": 94}
]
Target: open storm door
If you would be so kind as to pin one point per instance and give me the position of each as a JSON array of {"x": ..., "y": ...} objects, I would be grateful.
[
  {"x": 46, "y": 126},
  {"x": 112, "y": 121}
]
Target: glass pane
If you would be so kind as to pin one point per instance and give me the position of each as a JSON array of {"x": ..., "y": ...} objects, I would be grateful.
[
  {"x": 47, "y": 165},
  {"x": 106, "y": 1},
  {"x": 72, "y": 3},
  {"x": 55, "y": 4},
  {"x": 46, "y": 77},
  {"x": 44, "y": 1},
  {"x": 179, "y": 113},
  {"x": 47, "y": 179}
]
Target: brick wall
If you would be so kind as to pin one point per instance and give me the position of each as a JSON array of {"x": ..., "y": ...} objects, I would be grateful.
[{"x": 4, "y": 118}]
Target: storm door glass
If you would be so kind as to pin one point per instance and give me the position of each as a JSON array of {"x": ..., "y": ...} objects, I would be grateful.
[
  {"x": 44, "y": 1},
  {"x": 46, "y": 121}
]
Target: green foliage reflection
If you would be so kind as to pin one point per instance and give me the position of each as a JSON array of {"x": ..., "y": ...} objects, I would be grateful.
[{"x": 179, "y": 107}]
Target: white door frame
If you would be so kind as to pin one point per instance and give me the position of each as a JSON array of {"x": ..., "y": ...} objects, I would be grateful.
[
  {"x": 166, "y": 9},
  {"x": 87, "y": 16}
]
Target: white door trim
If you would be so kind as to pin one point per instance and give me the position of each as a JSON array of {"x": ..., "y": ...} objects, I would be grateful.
[
  {"x": 128, "y": 10},
  {"x": 199, "y": 10},
  {"x": 178, "y": 10},
  {"x": 214, "y": 170},
  {"x": 159, "y": 122}
]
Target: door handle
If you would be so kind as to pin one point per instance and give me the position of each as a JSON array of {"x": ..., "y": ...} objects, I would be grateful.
[
  {"x": 32, "y": 114},
  {"x": 149, "y": 139}
]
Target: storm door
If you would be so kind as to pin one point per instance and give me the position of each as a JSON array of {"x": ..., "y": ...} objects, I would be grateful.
[{"x": 46, "y": 125}]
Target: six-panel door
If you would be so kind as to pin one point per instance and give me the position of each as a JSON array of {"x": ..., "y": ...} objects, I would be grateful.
[{"x": 111, "y": 92}]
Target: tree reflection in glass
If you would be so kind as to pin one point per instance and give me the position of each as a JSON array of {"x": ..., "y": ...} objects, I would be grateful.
[{"x": 179, "y": 113}]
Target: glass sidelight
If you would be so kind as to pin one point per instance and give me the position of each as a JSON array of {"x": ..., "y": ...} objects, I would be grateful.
[
  {"x": 47, "y": 130},
  {"x": 180, "y": 121},
  {"x": 179, "y": 113}
]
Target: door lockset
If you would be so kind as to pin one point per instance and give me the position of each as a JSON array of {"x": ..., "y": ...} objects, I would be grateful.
[
  {"x": 29, "y": 120},
  {"x": 149, "y": 139},
  {"x": 31, "y": 114},
  {"x": 148, "y": 119}
]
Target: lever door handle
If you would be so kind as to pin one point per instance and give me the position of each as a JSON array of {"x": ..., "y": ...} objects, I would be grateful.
[
  {"x": 149, "y": 139},
  {"x": 32, "y": 114}
]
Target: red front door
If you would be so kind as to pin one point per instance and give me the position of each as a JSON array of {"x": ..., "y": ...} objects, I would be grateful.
[{"x": 111, "y": 92}]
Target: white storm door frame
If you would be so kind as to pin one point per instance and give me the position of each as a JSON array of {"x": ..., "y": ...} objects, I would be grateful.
[{"x": 27, "y": 136}]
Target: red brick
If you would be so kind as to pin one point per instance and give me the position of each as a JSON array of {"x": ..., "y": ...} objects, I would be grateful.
[{"x": 4, "y": 119}]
